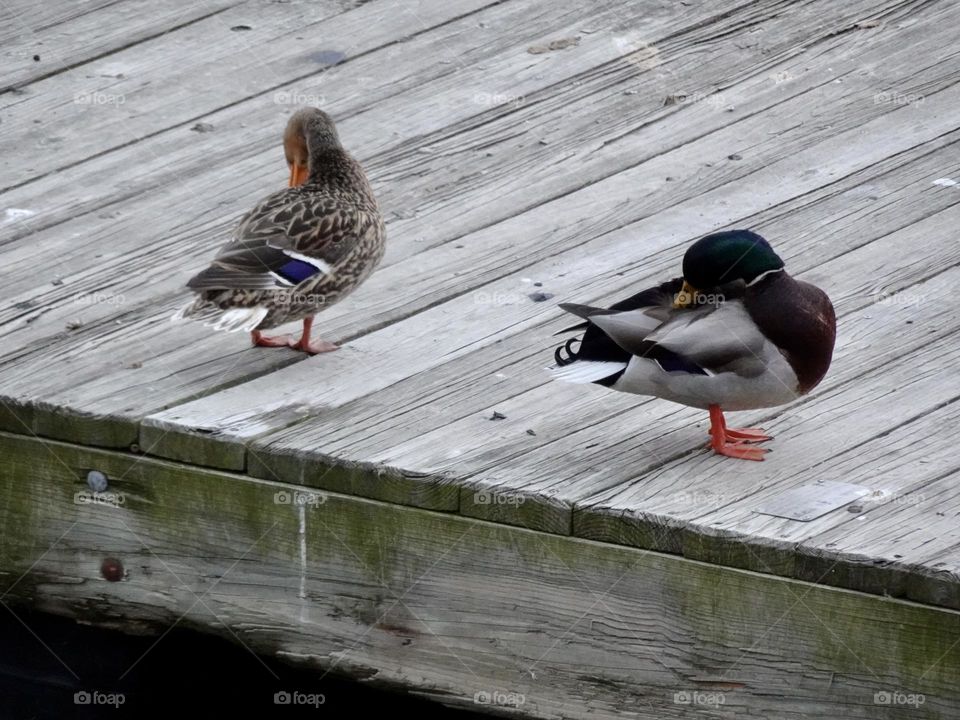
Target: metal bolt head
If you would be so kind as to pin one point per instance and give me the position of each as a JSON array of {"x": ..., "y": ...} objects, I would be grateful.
[{"x": 97, "y": 481}]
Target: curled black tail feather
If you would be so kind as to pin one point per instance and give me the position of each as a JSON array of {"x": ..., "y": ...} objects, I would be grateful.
[
  {"x": 595, "y": 345},
  {"x": 571, "y": 354}
]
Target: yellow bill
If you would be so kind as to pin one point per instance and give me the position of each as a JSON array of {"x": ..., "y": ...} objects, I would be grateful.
[{"x": 686, "y": 296}]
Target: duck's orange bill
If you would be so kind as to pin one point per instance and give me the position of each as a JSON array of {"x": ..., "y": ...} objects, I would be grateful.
[{"x": 298, "y": 175}]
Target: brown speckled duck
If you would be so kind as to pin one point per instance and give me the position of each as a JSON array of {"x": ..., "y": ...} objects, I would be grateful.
[
  {"x": 299, "y": 250},
  {"x": 736, "y": 332}
]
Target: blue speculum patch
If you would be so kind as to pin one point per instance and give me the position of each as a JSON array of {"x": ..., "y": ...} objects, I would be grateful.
[{"x": 296, "y": 271}]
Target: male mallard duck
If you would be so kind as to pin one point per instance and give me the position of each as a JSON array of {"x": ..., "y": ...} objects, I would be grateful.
[
  {"x": 299, "y": 250},
  {"x": 736, "y": 332}
]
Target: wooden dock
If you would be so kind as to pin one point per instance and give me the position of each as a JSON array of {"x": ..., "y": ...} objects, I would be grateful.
[{"x": 424, "y": 509}]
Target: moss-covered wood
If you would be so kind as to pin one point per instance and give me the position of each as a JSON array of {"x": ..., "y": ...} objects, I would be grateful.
[{"x": 454, "y": 606}]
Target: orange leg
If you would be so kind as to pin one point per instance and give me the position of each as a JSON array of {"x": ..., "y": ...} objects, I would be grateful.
[
  {"x": 732, "y": 442},
  {"x": 304, "y": 343}
]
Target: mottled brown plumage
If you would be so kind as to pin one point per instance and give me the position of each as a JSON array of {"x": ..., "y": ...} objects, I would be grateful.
[{"x": 298, "y": 250}]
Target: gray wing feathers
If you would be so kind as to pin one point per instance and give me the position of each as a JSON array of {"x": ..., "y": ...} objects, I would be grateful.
[
  {"x": 631, "y": 330},
  {"x": 724, "y": 339}
]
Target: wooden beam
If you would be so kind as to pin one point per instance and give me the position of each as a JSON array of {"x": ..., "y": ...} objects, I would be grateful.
[{"x": 418, "y": 599}]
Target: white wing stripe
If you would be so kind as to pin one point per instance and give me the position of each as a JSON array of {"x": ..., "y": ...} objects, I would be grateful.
[{"x": 320, "y": 265}]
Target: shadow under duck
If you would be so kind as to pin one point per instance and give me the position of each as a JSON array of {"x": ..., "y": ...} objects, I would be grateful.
[
  {"x": 736, "y": 332},
  {"x": 299, "y": 250}
]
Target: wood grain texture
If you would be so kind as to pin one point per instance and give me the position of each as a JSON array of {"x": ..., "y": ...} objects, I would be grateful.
[
  {"x": 381, "y": 358},
  {"x": 215, "y": 67},
  {"x": 827, "y": 222},
  {"x": 398, "y": 596},
  {"x": 44, "y": 39},
  {"x": 478, "y": 528},
  {"x": 83, "y": 300}
]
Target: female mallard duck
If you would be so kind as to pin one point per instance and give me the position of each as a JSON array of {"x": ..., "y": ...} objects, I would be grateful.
[
  {"x": 299, "y": 250},
  {"x": 736, "y": 332}
]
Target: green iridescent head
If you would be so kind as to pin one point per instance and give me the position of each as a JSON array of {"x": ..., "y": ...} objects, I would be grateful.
[{"x": 727, "y": 256}]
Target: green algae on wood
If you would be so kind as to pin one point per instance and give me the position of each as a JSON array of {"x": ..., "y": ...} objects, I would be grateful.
[{"x": 405, "y": 587}]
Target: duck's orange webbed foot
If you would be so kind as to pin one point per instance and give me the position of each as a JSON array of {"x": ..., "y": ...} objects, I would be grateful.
[
  {"x": 732, "y": 442},
  {"x": 275, "y": 341},
  {"x": 315, "y": 347},
  {"x": 303, "y": 343},
  {"x": 749, "y": 435}
]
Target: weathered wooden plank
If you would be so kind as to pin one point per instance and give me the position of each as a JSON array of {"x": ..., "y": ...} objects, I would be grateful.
[
  {"x": 43, "y": 39},
  {"x": 275, "y": 63},
  {"x": 399, "y": 596},
  {"x": 389, "y": 71},
  {"x": 95, "y": 310},
  {"x": 93, "y": 402},
  {"x": 179, "y": 77},
  {"x": 662, "y": 509},
  {"x": 372, "y": 134},
  {"x": 369, "y": 432},
  {"x": 124, "y": 234},
  {"x": 905, "y": 541},
  {"x": 71, "y": 313},
  {"x": 346, "y": 448},
  {"x": 387, "y": 356},
  {"x": 880, "y": 464},
  {"x": 508, "y": 476},
  {"x": 612, "y": 126}
]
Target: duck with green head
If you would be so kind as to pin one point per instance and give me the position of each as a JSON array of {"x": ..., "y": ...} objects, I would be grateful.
[{"x": 736, "y": 332}]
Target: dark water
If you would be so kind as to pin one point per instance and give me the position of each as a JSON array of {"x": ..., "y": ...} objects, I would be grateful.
[{"x": 183, "y": 672}]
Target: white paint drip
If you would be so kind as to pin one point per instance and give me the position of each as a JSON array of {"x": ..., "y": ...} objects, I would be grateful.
[
  {"x": 301, "y": 508},
  {"x": 942, "y": 182}
]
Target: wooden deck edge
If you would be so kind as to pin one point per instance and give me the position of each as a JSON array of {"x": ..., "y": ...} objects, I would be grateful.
[
  {"x": 364, "y": 480},
  {"x": 531, "y": 624}
]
